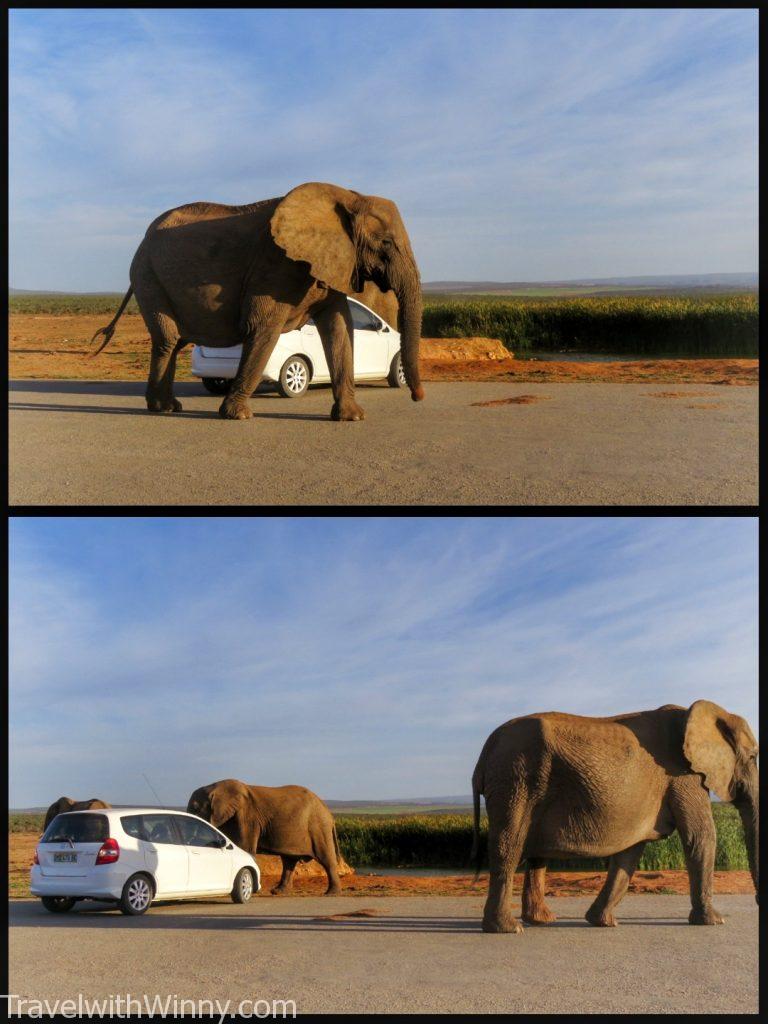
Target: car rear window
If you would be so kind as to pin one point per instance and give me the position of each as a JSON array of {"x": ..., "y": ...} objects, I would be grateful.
[{"x": 80, "y": 828}]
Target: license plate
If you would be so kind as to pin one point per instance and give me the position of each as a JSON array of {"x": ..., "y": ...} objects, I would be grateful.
[{"x": 65, "y": 858}]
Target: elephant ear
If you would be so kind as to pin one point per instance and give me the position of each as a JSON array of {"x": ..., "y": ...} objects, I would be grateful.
[
  {"x": 314, "y": 223},
  {"x": 709, "y": 745},
  {"x": 225, "y": 804}
]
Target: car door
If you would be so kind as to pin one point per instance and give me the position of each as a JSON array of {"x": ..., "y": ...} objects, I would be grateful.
[
  {"x": 371, "y": 343},
  {"x": 165, "y": 854},
  {"x": 209, "y": 862}
]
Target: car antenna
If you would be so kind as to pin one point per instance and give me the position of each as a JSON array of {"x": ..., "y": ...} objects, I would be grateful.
[{"x": 159, "y": 801}]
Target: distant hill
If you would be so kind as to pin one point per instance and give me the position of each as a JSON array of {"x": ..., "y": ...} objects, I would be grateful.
[
  {"x": 415, "y": 801},
  {"x": 337, "y": 805},
  {"x": 670, "y": 281},
  {"x": 749, "y": 281},
  {"x": 42, "y": 291}
]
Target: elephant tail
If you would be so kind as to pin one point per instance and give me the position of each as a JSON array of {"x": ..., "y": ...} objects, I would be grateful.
[
  {"x": 109, "y": 330},
  {"x": 477, "y": 853}
]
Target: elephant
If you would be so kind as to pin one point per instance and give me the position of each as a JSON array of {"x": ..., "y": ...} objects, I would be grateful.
[
  {"x": 559, "y": 785},
  {"x": 66, "y": 803},
  {"x": 290, "y": 821},
  {"x": 383, "y": 303},
  {"x": 223, "y": 275}
]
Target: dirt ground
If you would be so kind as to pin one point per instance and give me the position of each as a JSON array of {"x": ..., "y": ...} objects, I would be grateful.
[
  {"x": 56, "y": 347},
  {"x": 313, "y": 882}
]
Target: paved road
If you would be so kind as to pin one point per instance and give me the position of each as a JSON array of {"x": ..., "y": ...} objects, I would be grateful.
[
  {"x": 92, "y": 443},
  {"x": 419, "y": 955}
]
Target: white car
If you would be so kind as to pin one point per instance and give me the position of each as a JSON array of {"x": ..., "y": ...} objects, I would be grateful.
[
  {"x": 132, "y": 856},
  {"x": 298, "y": 359}
]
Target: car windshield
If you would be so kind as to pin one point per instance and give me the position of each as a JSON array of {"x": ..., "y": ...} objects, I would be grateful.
[
  {"x": 362, "y": 319},
  {"x": 79, "y": 828},
  {"x": 197, "y": 833}
]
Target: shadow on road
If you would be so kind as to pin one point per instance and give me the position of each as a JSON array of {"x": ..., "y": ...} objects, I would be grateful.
[
  {"x": 94, "y": 387},
  {"x": 32, "y": 916}
]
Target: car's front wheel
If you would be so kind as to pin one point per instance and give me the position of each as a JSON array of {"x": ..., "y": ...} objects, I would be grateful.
[
  {"x": 136, "y": 895},
  {"x": 294, "y": 377},
  {"x": 242, "y": 890},
  {"x": 58, "y": 904},
  {"x": 217, "y": 385},
  {"x": 396, "y": 375}
]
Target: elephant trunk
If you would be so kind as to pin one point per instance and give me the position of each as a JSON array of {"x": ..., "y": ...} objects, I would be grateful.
[
  {"x": 409, "y": 324},
  {"x": 750, "y": 822}
]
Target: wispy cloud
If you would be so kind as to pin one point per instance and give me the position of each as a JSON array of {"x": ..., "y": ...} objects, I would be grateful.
[
  {"x": 519, "y": 144},
  {"x": 367, "y": 658}
]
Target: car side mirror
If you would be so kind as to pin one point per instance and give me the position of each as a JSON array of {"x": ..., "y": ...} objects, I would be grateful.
[{"x": 230, "y": 846}]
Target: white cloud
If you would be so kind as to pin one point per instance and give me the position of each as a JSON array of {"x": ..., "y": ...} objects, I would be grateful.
[
  {"x": 377, "y": 672},
  {"x": 502, "y": 135}
]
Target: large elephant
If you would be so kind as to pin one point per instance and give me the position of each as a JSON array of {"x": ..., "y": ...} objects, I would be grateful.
[
  {"x": 223, "y": 275},
  {"x": 383, "y": 303},
  {"x": 66, "y": 803},
  {"x": 290, "y": 821},
  {"x": 559, "y": 786}
]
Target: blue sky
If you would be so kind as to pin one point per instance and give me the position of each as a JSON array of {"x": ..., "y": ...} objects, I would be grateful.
[
  {"x": 519, "y": 145},
  {"x": 364, "y": 658}
]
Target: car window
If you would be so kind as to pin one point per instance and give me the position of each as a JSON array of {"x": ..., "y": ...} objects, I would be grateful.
[
  {"x": 133, "y": 825},
  {"x": 197, "y": 833},
  {"x": 362, "y": 319},
  {"x": 80, "y": 828},
  {"x": 158, "y": 828}
]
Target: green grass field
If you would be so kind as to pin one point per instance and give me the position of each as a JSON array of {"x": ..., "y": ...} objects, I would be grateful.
[
  {"x": 423, "y": 840},
  {"x": 545, "y": 320},
  {"x": 682, "y": 325},
  {"x": 445, "y": 841}
]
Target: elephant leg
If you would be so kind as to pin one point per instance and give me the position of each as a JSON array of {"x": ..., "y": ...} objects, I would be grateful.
[
  {"x": 621, "y": 867},
  {"x": 699, "y": 839},
  {"x": 257, "y": 348},
  {"x": 164, "y": 332},
  {"x": 286, "y": 879},
  {"x": 326, "y": 856},
  {"x": 535, "y": 909},
  {"x": 334, "y": 324},
  {"x": 505, "y": 847}
]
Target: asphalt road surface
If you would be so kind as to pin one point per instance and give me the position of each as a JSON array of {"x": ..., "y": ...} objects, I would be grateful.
[
  {"x": 93, "y": 443},
  {"x": 417, "y": 955}
]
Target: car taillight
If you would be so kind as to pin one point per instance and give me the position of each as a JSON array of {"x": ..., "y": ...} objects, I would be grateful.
[
  {"x": 35, "y": 859},
  {"x": 108, "y": 853}
]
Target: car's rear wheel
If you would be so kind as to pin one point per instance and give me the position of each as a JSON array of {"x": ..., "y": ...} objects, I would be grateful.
[
  {"x": 216, "y": 385},
  {"x": 242, "y": 890},
  {"x": 58, "y": 904},
  {"x": 294, "y": 377},
  {"x": 396, "y": 375},
  {"x": 136, "y": 895}
]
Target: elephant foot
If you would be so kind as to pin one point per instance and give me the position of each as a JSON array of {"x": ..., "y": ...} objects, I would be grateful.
[
  {"x": 539, "y": 915},
  {"x": 279, "y": 890},
  {"x": 705, "y": 915},
  {"x": 601, "y": 918},
  {"x": 235, "y": 409},
  {"x": 348, "y": 410},
  {"x": 164, "y": 405},
  {"x": 333, "y": 890},
  {"x": 505, "y": 925}
]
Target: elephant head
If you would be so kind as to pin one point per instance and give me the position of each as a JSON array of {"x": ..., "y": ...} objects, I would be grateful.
[
  {"x": 229, "y": 803},
  {"x": 66, "y": 803},
  {"x": 348, "y": 239},
  {"x": 721, "y": 747}
]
